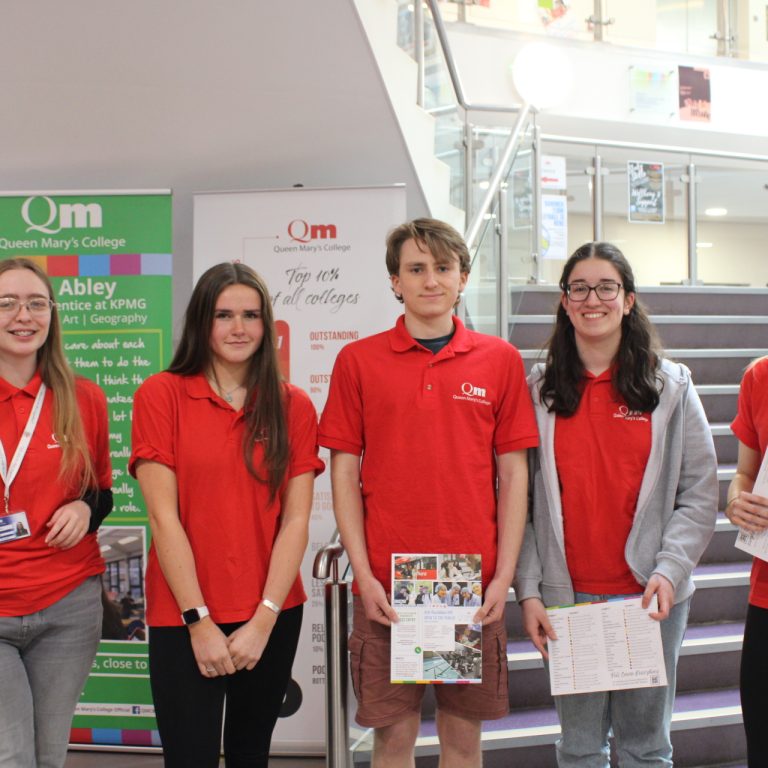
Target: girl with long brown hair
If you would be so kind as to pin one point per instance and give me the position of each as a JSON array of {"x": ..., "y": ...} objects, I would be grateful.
[{"x": 225, "y": 453}]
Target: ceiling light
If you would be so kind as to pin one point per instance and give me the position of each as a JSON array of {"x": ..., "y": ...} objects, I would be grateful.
[
  {"x": 716, "y": 212},
  {"x": 703, "y": 245},
  {"x": 127, "y": 539}
]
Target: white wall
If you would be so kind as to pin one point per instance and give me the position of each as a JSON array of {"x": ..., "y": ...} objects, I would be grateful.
[
  {"x": 193, "y": 95},
  {"x": 598, "y": 102}
]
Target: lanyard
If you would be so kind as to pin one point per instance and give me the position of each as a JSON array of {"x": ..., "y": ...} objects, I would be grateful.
[{"x": 8, "y": 474}]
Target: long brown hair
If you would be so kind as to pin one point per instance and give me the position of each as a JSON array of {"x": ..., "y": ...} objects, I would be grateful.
[
  {"x": 635, "y": 376},
  {"x": 60, "y": 379},
  {"x": 265, "y": 405}
]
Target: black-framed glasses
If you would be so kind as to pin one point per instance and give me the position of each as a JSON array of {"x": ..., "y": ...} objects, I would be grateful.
[
  {"x": 605, "y": 291},
  {"x": 10, "y": 305}
]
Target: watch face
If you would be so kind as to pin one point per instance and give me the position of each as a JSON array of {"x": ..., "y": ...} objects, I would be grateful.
[{"x": 191, "y": 616}]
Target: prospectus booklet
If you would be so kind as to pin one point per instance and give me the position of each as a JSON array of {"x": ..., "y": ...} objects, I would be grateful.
[{"x": 436, "y": 597}]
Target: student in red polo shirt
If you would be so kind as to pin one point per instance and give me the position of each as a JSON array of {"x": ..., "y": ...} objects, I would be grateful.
[
  {"x": 750, "y": 512},
  {"x": 225, "y": 453},
  {"x": 624, "y": 495},
  {"x": 428, "y": 424},
  {"x": 56, "y": 479}
]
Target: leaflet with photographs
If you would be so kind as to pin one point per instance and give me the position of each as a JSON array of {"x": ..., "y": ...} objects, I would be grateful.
[{"x": 436, "y": 598}]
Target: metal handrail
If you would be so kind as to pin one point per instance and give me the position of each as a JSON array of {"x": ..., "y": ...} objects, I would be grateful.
[
  {"x": 653, "y": 147},
  {"x": 336, "y": 731},
  {"x": 498, "y": 176}
]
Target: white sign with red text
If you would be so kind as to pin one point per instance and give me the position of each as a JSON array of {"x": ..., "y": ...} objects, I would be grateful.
[{"x": 321, "y": 252}]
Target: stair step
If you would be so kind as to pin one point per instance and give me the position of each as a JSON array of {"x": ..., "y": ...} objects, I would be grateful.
[{"x": 539, "y": 727}]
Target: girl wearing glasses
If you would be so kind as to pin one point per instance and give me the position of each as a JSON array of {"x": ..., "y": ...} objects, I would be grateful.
[
  {"x": 225, "y": 453},
  {"x": 624, "y": 494},
  {"x": 56, "y": 479}
]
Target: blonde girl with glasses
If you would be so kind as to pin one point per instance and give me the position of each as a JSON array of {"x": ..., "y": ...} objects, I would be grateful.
[
  {"x": 624, "y": 496},
  {"x": 56, "y": 477}
]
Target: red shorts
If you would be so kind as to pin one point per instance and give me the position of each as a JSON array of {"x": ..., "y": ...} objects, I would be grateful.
[{"x": 380, "y": 703}]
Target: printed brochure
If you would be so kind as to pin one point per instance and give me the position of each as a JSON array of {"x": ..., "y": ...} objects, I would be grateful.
[
  {"x": 436, "y": 598},
  {"x": 605, "y": 646}
]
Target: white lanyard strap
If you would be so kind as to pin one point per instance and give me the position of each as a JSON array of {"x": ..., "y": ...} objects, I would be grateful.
[{"x": 8, "y": 474}]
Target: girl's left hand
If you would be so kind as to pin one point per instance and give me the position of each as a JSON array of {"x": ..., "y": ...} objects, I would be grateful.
[
  {"x": 661, "y": 587},
  {"x": 68, "y": 524},
  {"x": 247, "y": 643}
]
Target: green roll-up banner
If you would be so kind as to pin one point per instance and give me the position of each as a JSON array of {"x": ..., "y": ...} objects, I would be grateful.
[{"x": 108, "y": 255}]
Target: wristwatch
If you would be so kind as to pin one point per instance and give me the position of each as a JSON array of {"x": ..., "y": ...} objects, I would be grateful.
[{"x": 193, "y": 615}]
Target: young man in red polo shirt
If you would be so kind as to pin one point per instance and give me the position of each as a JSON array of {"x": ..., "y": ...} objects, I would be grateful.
[{"x": 428, "y": 424}]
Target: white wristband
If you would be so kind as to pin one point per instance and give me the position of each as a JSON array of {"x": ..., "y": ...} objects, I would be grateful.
[{"x": 274, "y": 607}]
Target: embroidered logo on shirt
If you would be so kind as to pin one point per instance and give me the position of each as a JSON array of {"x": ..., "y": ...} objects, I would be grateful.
[
  {"x": 622, "y": 412},
  {"x": 472, "y": 394},
  {"x": 55, "y": 443}
]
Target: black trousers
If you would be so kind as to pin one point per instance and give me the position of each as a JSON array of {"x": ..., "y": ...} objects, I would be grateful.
[
  {"x": 754, "y": 685},
  {"x": 190, "y": 707}
]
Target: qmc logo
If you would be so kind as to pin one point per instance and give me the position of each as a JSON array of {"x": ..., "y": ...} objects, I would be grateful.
[
  {"x": 40, "y": 216},
  {"x": 301, "y": 231}
]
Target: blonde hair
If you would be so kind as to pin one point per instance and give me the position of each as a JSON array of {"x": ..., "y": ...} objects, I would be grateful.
[{"x": 76, "y": 461}]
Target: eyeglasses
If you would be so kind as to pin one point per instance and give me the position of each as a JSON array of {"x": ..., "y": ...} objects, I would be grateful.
[
  {"x": 604, "y": 291},
  {"x": 11, "y": 306}
]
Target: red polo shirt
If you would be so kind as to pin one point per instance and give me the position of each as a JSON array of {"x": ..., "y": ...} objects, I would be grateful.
[
  {"x": 601, "y": 452},
  {"x": 33, "y": 575},
  {"x": 427, "y": 427},
  {"x": 751, "y": 427},
  {"x": 178, "y": 421}
]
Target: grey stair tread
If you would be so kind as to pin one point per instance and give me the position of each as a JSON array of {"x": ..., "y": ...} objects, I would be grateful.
[{"x": 540, "y": 725}]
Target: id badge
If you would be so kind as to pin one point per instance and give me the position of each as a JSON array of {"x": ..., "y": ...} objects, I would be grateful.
[{"x": 14, "y": 526}]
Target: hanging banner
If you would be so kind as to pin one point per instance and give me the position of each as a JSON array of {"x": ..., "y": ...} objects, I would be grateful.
[
  {"x": 108, "y": 255},
  {"x": 646, "y": 192},
  {"x": 321, "y": 252}
]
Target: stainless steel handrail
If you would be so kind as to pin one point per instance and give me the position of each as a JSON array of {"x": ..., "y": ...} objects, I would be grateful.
[
  {"x": 326, "y": 566},
  {"x": 473, "y": 230},
  {"x": 554, "y": 138}
]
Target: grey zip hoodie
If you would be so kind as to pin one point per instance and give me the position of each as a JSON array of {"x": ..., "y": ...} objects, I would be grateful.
[{"x": 676, "y": 507}]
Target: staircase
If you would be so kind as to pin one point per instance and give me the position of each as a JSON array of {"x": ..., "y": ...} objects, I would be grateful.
[{"x": 701, "y": 328}]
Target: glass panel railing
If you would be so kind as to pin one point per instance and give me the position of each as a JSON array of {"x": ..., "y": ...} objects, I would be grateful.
[
  {"x": 450, "y": 148},
  {"x": 645, "y": 194},
  {"x": 508, "y": 229},
  {"x": 520, "y": 218},
  {"x": 645, "y": 212},
  {"x": 676, "y": 26},
  {"x": 685, "y": 26},
  {"x": 732, "y": 223},
  {"x": 481, "y": 301}
]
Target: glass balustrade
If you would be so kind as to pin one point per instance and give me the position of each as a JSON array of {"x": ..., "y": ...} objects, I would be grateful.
[{"x": 696, "y": 27}]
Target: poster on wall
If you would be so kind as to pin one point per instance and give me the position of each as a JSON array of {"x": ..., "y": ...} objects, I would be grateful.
[
  {"x": 108, "y": 255},
  {"x": 651, "y": 92},
  {"x": 321, "y": 252},
  {"x": 554, "y": 226},
  {"x": 695, "y": 100},
  {"x": 646, "y": 192},
  {"x": 553, "y": 180}
]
